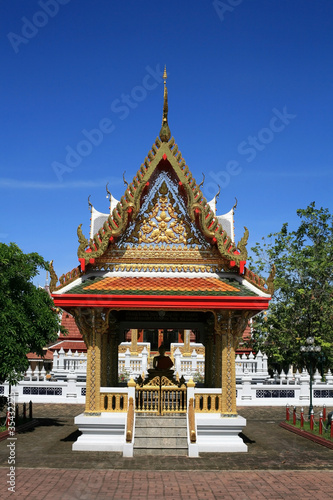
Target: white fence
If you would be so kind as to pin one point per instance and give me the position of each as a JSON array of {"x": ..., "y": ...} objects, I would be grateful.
[
  {"x": 293, "y": 390},
  {"x": 190, "y": 366}
]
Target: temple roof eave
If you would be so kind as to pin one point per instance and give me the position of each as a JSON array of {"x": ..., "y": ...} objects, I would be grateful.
[
  {"x": 161, "y": 302},
  {"x": 134, "y": 283}
]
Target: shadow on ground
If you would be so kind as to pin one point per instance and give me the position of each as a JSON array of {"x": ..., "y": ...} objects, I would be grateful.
[{"x": 49, "y": 445}]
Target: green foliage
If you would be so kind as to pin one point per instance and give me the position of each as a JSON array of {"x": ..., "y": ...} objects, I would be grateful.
[
  {"x": 28, "y": 320},
  {"x": 124, "y": 376},
  {"x": 198, "y": 378},
  {"x": 302, "y": 305}
]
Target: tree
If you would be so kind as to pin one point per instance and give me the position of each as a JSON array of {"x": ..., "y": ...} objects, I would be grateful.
[
  {"x": 28, "y": 319},
  {"x": 302, "y": 305}
]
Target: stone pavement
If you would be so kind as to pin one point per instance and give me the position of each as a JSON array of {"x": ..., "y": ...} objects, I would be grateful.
[
  {"x": 278, "y": 464},
  {"x": 64, "y": 484}
]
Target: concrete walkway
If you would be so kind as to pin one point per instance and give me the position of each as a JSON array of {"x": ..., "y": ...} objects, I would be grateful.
[{"x": 278, "y": 465}]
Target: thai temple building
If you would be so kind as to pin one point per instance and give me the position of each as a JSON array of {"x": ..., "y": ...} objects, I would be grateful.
[{"x": 165, "y": 267}]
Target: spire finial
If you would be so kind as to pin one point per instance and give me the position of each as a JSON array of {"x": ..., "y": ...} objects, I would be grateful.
[{"x": 165, "y": 133}]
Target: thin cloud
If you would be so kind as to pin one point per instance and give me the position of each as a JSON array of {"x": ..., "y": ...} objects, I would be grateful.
[
  {"x": 22, "y": 184},
  {"x": 314, "y": 173}
]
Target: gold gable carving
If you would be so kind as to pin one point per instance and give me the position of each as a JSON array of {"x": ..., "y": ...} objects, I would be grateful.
[{"x": 163, "y": 223}]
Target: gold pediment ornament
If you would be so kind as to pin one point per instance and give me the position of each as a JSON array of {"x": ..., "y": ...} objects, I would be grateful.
[{"x": 162, "y": 223}]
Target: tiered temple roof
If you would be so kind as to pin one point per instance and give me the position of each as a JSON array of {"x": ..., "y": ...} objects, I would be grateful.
[{"x": 161, "y": 239}]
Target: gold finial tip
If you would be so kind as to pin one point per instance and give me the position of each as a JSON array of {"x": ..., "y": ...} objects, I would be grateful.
[{"x": 165, "y": 76}]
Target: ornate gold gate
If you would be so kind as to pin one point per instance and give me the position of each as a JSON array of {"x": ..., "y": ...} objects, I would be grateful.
[{"x": 160, "y": 396}]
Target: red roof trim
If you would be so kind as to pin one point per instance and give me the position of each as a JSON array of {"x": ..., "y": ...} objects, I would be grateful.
[{"x": 161, "y": 301}]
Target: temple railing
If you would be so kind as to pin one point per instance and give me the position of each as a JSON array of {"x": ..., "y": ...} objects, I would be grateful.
[
  {"x": 130, "y": 421},
  {"x": 147, "y": 399},
  {"x": 208, "y": 401},
  {"x": 173, "y": 400},
  {"x": 191, "y": 421},
  {"x": 113, "y": 401}
]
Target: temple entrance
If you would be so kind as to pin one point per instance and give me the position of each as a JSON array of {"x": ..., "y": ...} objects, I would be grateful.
[{"x": 160, "y": 396}]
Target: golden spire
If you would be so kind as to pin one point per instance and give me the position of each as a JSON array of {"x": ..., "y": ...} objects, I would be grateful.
[{"x": 165, "y": 133}]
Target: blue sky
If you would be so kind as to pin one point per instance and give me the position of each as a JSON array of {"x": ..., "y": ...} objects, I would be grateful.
[{"x": 250, "y": 105}]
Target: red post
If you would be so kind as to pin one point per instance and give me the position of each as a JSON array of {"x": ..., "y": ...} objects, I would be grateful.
[
  {"x": 321, "y": 423},
  {"x": 7, "y": 419},
  {"x": 302, "y": 418},
  {"x": 294, "y": 416},
  {"x": 332, "y": 428},
  {"x": 324, "y": 412},
  {"x": 287, "y": 413},
  {"x": 311, "y": 420}
]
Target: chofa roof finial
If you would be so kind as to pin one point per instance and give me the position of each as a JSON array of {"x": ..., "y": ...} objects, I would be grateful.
[
  {"x": 90, "y": 204},
  {"x": 165, "y": 133}
]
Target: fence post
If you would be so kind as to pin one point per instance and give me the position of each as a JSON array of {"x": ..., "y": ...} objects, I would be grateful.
[
  {"x": 30, "y": 409},
  {"x": 332, "y": 428},
  {"x": 61, "y": 359},
  {"x": 294, "y": 416},
  {"x": 290, "y": 375},
  {"x": 321, "y": 423},
  {"x": 265, "y": 364},
  {"x": 144, "y": 366},
  {"x": 7, "y": 418},
  {"x": 324, "y": 412},
  {"x": 24, "y": 411},
  {"x": 190, "y": 391},
  {"x": 329, "y": 377},
  {"x": 194, "y": 359},
  {"x": 55, "y": 361},
  {"x": 246, "y": 393},
  {"x": 287, "y": 413},
  {"x": 302, "y": 418},
  {"x": 28, "y": 373},
  {"x": 259, "y": 362},
  {"x": 311, "y": 420},
  {"x": 177, "y": 356},
  {"x": 127, "y": 360}
]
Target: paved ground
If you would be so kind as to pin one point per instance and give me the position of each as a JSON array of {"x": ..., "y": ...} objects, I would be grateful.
[
  {"x": 278, "y": 464},
  {"x": 63, "y": 484}
]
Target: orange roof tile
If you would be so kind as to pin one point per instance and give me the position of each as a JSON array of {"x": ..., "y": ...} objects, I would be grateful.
[
  {"x": 162, "y": 284},
  {"x": 79, "y": 346},
  {"x": 33, "y": 356},
  {"x": 68, "y": 322}
]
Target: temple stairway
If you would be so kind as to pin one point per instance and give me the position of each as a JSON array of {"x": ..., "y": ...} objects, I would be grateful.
[{"x": 160, "y": 435}]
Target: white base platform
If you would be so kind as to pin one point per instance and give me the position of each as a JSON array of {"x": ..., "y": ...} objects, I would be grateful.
[
  {"x": 216, "y": 434},
  {"x": 105, "y": 432}
]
